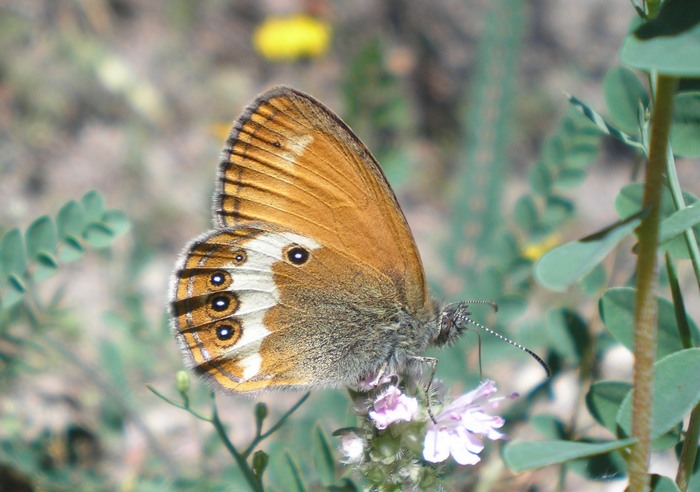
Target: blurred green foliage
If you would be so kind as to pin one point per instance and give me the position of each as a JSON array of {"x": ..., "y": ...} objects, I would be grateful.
[{"x": 492, "y": 251}]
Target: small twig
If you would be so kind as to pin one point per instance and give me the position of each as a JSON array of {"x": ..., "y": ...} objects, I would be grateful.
[
  {"x": 241, "y": 459},
  {"x": 185, "y": 406},
  {"x": 250, "y": 476},
  {"x": 261, "y": 437}
]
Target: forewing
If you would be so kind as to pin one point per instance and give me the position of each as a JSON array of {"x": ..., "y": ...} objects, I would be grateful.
[{"x": 290, "y": 161}]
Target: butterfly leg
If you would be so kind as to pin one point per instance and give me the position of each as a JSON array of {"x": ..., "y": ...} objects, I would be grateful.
[
  {"x": 381, "y": 377},
  {"x": 432, "y": 362}
]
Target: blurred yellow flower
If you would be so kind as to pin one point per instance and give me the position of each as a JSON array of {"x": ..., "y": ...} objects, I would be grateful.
[
  {"x": 534, "y": 251},
  {"x": 291, "y": 38}
]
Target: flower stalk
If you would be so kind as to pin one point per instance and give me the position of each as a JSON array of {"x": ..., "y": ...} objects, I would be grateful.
[
  {"x": 252, "y": 474},
  {"x": 645, "y": 331}
]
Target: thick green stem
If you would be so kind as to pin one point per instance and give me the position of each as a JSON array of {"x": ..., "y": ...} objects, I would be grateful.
[{"x": 645, "y": 333}]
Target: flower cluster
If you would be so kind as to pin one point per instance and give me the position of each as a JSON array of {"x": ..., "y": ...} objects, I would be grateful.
[{"x": 399, "y": 439}]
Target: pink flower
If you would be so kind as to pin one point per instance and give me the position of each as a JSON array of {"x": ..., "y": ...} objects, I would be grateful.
[
  {"x": 392, "y": 406},
  {"x": 461, "y": 427}
]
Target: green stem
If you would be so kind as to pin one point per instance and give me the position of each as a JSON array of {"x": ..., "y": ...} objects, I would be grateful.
[
  {"x": 250, "y": 476},
  {"x": 646, "y": 305},
  {"x": 653, "y": 7},
  {"x": 679, "y": 203},
  {"x": 689, "y": 451},
  {"x": 678, "y": 304},
  {"x": 260, "y": 437},
  {"x": 690, "y": 443},
  {"x": 185, "y": 406}
]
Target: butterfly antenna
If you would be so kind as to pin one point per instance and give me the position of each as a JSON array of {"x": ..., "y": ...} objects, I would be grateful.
[
  {"x": 490, "y": 303},
  {"x": 465, "y": 317}
]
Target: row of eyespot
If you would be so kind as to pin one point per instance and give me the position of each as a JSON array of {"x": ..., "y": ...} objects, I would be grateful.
[{"x": 223, "y": 303}]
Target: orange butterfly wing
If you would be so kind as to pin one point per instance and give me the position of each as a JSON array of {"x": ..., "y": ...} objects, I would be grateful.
[
  {"x": 289, "y": 161},
  {"x": 248, "y": 315}
]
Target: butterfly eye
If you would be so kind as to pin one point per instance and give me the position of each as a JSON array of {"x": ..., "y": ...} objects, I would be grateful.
[
  {"x": 297, "y": 255},
  {"x": 222, "y": 304},
  {"x": 219, "y": 280}
]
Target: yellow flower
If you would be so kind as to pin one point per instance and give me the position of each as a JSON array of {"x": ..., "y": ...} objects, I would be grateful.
[
  {"x": 291, "y": 38},
  {"x": 534, "y": 251}
]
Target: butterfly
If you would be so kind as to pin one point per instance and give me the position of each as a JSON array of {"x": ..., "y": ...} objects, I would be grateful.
[{"x": 311, "y": 276}]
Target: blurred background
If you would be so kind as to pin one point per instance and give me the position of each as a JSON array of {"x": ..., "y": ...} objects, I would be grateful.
[{"x": 457, "y": 100}]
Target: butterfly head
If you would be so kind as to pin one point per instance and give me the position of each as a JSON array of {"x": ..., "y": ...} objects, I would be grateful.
[{"x": 454, "y": 319}]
